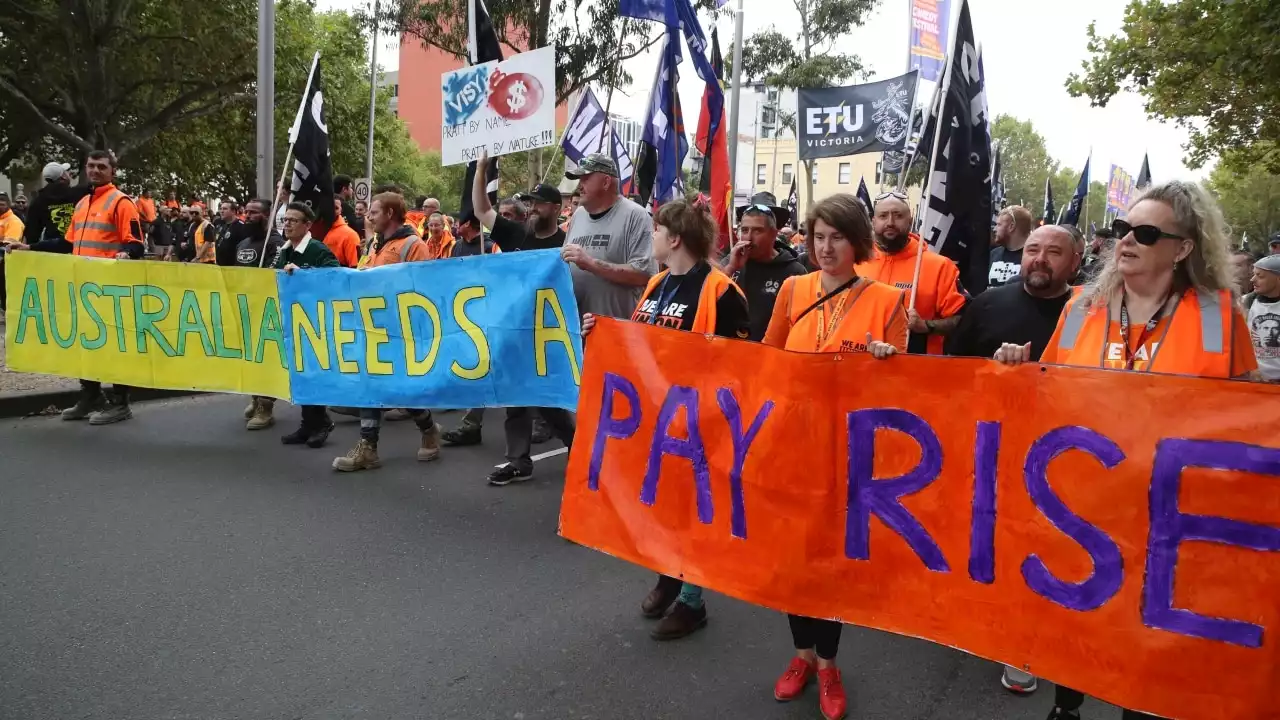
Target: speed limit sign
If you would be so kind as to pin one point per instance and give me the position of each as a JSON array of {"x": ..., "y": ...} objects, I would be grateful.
[{"x": 362, "y": 190}]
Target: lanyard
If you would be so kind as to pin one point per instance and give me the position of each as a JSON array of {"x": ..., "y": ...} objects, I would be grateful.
[
  {"x": 824, "y": 328},
  {"x": 1130, "y": 354},
  {"x": 663, "y": 298}
]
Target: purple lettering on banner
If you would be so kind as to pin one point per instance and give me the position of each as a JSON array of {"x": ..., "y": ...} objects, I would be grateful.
[
  {"x": 741, "y": 445},
  {"x": 868, "y": 496},
  {"x": 690, "y": 448},
  {"x": 1108, "y": 565},
  {"x": 610, "y": 427},
  {"x": 1170, "y": 527},
  {"x": 982, "y": 523}
]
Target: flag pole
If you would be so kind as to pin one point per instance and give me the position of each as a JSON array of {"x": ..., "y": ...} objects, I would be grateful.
[
  {"x": 373, "y": 97},
  {"x": 560, "y": 145},
  {"x": 735, "y": 101},
  {"x": 293, "y": 139}
]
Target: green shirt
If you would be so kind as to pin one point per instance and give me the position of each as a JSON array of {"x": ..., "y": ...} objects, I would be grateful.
[{"x": 313, "y": 254}]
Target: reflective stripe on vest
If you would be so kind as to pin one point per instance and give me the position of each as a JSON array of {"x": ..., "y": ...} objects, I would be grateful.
[
  {"x": 1212, "y": 333},
  {"x": 97, "y": 245},
  {"x": 407, "y": 246},
  {"x": 93, "y": 225}
]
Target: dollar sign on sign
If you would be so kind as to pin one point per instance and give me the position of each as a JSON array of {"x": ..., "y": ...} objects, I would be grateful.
[{"x": 516, "y": 96}]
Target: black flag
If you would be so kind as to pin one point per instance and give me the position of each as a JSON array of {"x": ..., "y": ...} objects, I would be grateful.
[
  {"x": 1144, "y": 175},
  {"x": 312, "y": 170},
  {"x": 482, "y": 47},
  {"x": 957, "y": 221},
  {"x": 1049, "y": 215},
  {"x": 793, "y": 205}
]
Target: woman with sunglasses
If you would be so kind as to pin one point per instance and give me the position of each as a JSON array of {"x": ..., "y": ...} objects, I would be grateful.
[
  {"x": 695, "y": 296},
  {"x": 1162, "y": 303},
  {"x": 832, "y": 311}
]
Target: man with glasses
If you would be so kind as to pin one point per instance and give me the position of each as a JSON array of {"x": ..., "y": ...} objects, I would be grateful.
[
  {"x": 759, "y": 261},
  {"x": 303, "y": 252},
  {"x": 939, "y": 297}
]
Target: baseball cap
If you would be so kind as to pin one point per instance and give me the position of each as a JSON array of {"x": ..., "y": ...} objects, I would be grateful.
[
  {"x": 543, "y": 193},
  {"x": 1270, "y": 263},
  {"x": 54, "y": 171},
  {"x": 1275, "y": 239},
  {"x": 594, "y": 163}
]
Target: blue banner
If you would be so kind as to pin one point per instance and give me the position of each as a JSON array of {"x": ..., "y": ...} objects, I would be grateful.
[
  {"x": 930, "y": 20},
  {"x": 484, "y": 331}
]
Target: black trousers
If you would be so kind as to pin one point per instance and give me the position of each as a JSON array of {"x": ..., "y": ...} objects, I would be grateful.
[
  {"x": 519, "y": 430},
  {"x": 1068, "y": 699},
  {"x": 120, "y": 392},
  {"x": 315, "y": 417},
  {"x": 821, "y": 636}
]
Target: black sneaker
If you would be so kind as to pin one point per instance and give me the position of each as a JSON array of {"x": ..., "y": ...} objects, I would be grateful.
[
  {"x": 462, "y": 435},
  {"x": 297, "y": 437},
  {"x": 508, "y": 474},
  {"x": 1059, "y": 714},
  {"x": 317, "y": 438}
]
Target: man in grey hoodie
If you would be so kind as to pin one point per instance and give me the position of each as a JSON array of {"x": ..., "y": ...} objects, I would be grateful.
[{"x": 759, "y": 261}]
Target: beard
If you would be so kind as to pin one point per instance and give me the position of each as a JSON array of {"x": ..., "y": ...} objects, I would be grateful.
[
  {"x": 1038, "y": 278},
  {"x": 893, "y": 244},
  {"x": 539, "y": 225}
]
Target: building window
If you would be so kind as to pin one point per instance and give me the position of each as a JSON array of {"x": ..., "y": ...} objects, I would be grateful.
[
  {"x": 846, "y": 174},
  {"x": 762, "y": 177},
  {"x": 788, "y": 173}
]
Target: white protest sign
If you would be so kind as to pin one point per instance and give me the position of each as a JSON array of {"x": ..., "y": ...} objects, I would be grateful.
[{"x": 505, "y": 107}]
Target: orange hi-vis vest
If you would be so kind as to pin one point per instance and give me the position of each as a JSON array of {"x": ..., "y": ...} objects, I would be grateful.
[
  {"x": 206, "y": 250},
  {"x": 1196, "y": 339},
  {"x": 713, "y": 287},
  {"x": 872, "y": 307},
  {"x": 103, "y": 223}
]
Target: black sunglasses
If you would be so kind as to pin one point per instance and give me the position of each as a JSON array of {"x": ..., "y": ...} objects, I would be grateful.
[{"x": 1144, "y": 234}]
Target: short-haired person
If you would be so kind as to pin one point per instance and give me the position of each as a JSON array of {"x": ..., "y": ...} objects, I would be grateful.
[
  {"x": 1100, "y": 246},
  {"x": 939, "y": 295},
  {"x": 1013, "y": 227},
  {"x": 760, "y": 261},
  {"x": 1162, "y": 303},
  {"x": 513, "y": 231},
  {"x": 1262, "y": 309},
  {"x": 695, "y": 296},
  {"x": 344, "y": 191},
  {"x": 230, "y": 232},
  {"x": 303, "y": 252},
  {"x": 259, "y": 414},
  {"x": 397, "y": 243},
  {"x": 1242, "y": 270},
  {"x": 470, "y": 239},
  {"x": 49, "y": 217},
  {"x": 832, "y": 310},
  {"x": 1273, "y": 246},
  {"x": 439, "y": 239},
  {"x": 341, "y": 239}
]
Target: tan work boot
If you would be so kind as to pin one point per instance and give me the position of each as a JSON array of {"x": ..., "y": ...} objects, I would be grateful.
[
  {"x": 364, "y": 456},
  {"x": 251, "y": 408},
  {"x": 430, "y": 449},
  {"x": 262, "y": 415}
]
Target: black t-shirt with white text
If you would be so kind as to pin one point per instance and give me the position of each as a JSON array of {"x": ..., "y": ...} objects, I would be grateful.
[
  {"x": 679, "y": 295},
  {"x": 512, "y": 236},
  {"x": 1007, "y": 314},
  {"x": 1005, "y": 265}
]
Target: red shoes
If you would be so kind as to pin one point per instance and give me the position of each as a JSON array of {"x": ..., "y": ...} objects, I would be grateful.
[
  {"x": 793, "y": 681},
  {"x": 831, "y": 697}
]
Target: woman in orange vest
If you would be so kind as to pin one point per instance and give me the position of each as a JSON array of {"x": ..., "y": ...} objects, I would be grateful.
[
  {"x": 1163, "y": 303},
  {"x": 832, "y": 311},
  {"x": 695, "y": 296}
]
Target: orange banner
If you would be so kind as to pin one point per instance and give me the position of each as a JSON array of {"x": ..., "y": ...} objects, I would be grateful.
[{"x": 1115, "y": 532}]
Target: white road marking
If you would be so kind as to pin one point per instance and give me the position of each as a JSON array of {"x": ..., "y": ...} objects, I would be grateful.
[{"x": 542, "y": 456}]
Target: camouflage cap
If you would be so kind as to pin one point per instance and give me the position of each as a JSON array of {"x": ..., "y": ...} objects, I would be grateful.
[{"x": 594, "y": 163}]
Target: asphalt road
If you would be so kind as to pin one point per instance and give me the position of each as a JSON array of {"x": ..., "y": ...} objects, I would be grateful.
[{"x": 177, "y": 566}]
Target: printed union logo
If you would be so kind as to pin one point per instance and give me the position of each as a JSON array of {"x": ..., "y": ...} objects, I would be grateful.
[
  {"x": 464, "y": 92},
  {"x": 515, "y": 96}
]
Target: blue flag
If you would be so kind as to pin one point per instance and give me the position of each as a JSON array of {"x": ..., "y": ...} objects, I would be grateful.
[
  {"x": 663, "y": 145},
  {"x": 864, "y": 195},
  {"x": 588, "y": 132},
  {"x": 1072, "y": 216}
]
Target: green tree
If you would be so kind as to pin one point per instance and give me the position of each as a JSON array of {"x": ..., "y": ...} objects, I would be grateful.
[
  {"x": 1024, "y": 160},
  {"x": 1211, "y": 66},
  {"x": 1250, "y": 200}
]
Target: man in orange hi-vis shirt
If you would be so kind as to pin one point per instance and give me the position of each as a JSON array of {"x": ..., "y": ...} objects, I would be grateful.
[
  {"x": 939, "y": 295},
  {"x": 341, "y": 239}
]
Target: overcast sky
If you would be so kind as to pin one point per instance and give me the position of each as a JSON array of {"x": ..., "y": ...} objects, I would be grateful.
[{"x": 1029, "y": 49}]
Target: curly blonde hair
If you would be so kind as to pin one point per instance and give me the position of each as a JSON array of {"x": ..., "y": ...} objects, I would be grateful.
[{"x": 1207, "y": 268}]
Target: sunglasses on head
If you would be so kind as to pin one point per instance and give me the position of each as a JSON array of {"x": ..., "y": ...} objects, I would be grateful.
[
  {"x": 891, "y": 194},
  {"x": 1144, "y": 234}
]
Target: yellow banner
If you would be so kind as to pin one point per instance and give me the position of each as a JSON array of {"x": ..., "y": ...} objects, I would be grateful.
[{"x": 146, "y": 324}]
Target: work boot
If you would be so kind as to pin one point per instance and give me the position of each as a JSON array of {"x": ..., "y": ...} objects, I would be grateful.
[
  {"x": 262, "y": 415},
  {"x": 113, "y": 413},
  {"x": 655, "y": 604},
  {"x": 89, "y": 402},
  {"x": 364, "y": 456},
  {"x": 297, "y": 437},
  {"x": 251, "y": 408},
  {"x": 317, "y": 438},
  {"x": 430, "y": 449},
  {"x": 396, "y": 414},
  {"x": 464, "y": 434},
  {"x": 682, "y": 621}
]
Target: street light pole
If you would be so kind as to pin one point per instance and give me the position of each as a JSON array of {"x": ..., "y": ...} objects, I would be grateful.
[
  {"x": 266, "y": 98},
  {"x": 735, "y": 98},
  {"x": 373, "y": 98}
]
